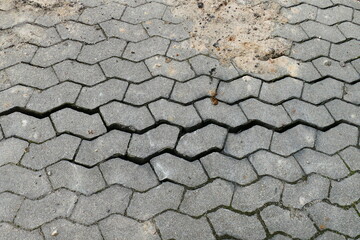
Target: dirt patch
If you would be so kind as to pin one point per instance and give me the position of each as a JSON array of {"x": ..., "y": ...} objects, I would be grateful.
[{"x": 238, "y": 31}]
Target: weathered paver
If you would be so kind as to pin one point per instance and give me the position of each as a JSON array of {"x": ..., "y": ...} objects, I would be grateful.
[
  {"x": 12, "y": 149},
  {"x": 9, "y": 205},
  {"x": 16, "y": 96},
  {"x": 102, "y": 13},
  {"x": 323, "y": 90},
  {"x": 316, "y": 29},
  {"x": 352, "y": 93},
  {"x": 123, "y": 30},
  {"x": 341, "y": 110},
  {"x": 310, "y": 49},
  {"x": 80, "y": 32},
  {"x": 300, "y": 13},
  {"x": 281, "y": 90},
  {"x": 334, "y": 15},
  {"x": 346, "y": 191},
  {"x": 145, "y": 49},
  {"x": 11, "y": 232},
  {"x": 143, "y": 13},
  {"x": 175, "y": 32},
  {"x": 12, "y": 56},
  {"x": 351, "y": 157},
  {"x": 328, "y": 67}
]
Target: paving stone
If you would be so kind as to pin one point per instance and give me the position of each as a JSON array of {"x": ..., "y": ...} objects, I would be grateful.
[
  {"x": 10, "y": 232},
  {"x": 317, "y": 115},
  {"x": 27, "y": 127},
  {"x": 293, "y": 140},
  {"x": 334, "y": 218},
  {"x": 278, "y": 219},
  {"x": 356, "y": 18},
  {"x": 315, "y": 162},
  {"x": 76, "y": 177},
  {"x": 204, "y": 139},
  {"x": 347, "y": 191},
  {"x": 315, "y": 29},
  {"x": 37, "y": 35},
  {"x": 226, "y": 222},
  {"x": 272, "y": 115},
  {"x": 222, "y": 113},
  {"x": 351, "y": 157},
  {"x": 344, "y": 111},
  {"x": 172, "y": 225},
  {"x": 100, "y": 51},
  {"x": 169, "y": 16},
  {"x": 175, "y": 32},
  {"x": 323, "y": 90},
  {"x": 90, "y": 209},
  {"x": 34, "y": 213},
  {"x": 320, "y": 4},
  {"x": 12, "y": 149},
  {"x": 330, "y": 236},
  {"x": 346, "y": 73},
  {"x": 238, "y": 89},
  {"x": 80, "y": 32},
  {"x": 123, "y": 30},
  {"x": 199, "y": 201},
  {"x": 93, "y": 97},
  {"x": 267, "y": 163},
  {"x": 31, "y": 76},
  {"x": 345, "y": 51},
  {"x": 176, "y": 169},
  {"x": 299, "y": 13},
  {"x": 348, "y": 3},
  {"x": 69, "y": 230},
  {"x": 135, "y": 118},
  {"x": 56, "y": 96},
  {"x": 45, "y": 57},
  {"x": 281, "y": 90},
  {"x": 158, "y": 87},
  {"x": 123, "y": 228},
  {"x": 102, "y": 13},
  {"x": 145, "y": 49},
  {"x": 164, "y": 110},
  {"x": 68, "y": 120},
  {"x": 14, "y": 55},
  {"x": 337, "y": 138},
  {"x": 163, "y": 197},
  {"x": 280, "y": 237},
  {"x": 4, "y": 80},
  {"x": 39, "y": 156},
  {"x": 334, "y": 15},
  {"x": 256, "y": 195},
  {"x": 110, "y": 144},
  {"x": 133, "y": 72},
  {"x": 248, "y": 141},
  {"x": 314, "y": 188},
  {"x": 352, "y": 93},
  {"x": 182, "y": 50},
  {"x": 143, "y": 13},
  {"x": 290, "y": 32},
  {"x": 128, "y": 174},
  {"x": 131, "y": 3},
  {"x": 310, "y": 49},
  {"x": 350, "y": 30},
  {"x": 9, "y": 205}
]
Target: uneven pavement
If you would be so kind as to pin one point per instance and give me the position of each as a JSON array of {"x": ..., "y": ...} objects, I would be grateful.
[{"x": 112, "y": 127}]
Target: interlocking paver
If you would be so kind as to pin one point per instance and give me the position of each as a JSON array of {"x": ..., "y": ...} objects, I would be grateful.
[
  {"x": 12, "y": 149},
  {"x": 330, "y": 236},
  {"x": 16, "y": 96},
  {"x": 281, "y": 90},
  {"x": 10, "y": 19},
  {"x": 80, "y": 32},
  {"x": 175, "y": 32},
  {"x": 347, "y": 191},
  {"x": 345, "y": 51},
  {"x": 310, "y": 49},
  {"x": 43, "y": 37},
  {"x": 168, "y": 16},
  {"x": 351, "y": 157},
  {"x": 181, "y": 50},
  {"x": 280, "y": 237},
  {"x": 334, "y": 15},
  {"x": 300, "y": 13},
  {"x": 90, "y": 209},
  {"x": 167, "y": 166},
  {"x": 344, "y": 111},
  {"x": 349, "y": 3},
  {"x": 11, "y": 232},
  {"x": 14, "y": 55},
  {"x": 328, "y": 67},
  {"x": 123, "y": 30},
  {"x": 323, "y": 90},
  {"x": 143, "y": 13},
  {"x": 102, "y": 13},
  {"x": 352, "y": 93},
  {"x": 254, "y": 196},
  {"x": 350, "y": 30},
  {"x": 291, "y": 32},
  {"x": 320, "y": 4},
  {"x": 4, "y": 80},
  {"x": 315, "y": 29},
  {"x": 9, "y": 205}
]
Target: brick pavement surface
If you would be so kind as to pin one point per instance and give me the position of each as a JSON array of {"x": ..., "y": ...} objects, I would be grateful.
[{"x": 113, "y": 128}]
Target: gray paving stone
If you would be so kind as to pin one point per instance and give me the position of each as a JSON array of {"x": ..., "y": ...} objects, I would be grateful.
[
  {"x": 37, "y": 35},
  {"x": 12, "y": 149},
  {"x": 344, "y": 111},
  {"x": 347, "y": 191},
  {"x": 293, "y": 140},
  {"x": 80, "y": 32},
  {"x": 323, "y": 90},
  {"x": 346, "y": 73},
  {"x": 135, "y": 118},
  {"x": 350, "y": 30},
  {"x": 164, "y": 110},
  {"x": 145, "y": 49},
  {"x": 102, "y": 13},
  {"x": 9, "y": 205},
  {"x": 351, "y": 157},
  {"x": 315, "y": 162},
  {"x": 320, "y": 4},
  {"x": 4, "y": 80},
  {"x": 248, "y": 141},
  {"x": 78, "y": 123},
  {"x": 128, "y": 174},
  {"x": 122, "y": 30},
  {"x": 53, "y": 97},
  {"x": 100, "y": 51},
  {"x": 334, "y": 218},
  {"x": 27, "y": 127},
  {"x": 214, "y": 194},
  {"x": 330, "y": 236},
  {"x": 299, "y": 13},
  {"x": 69, "y": 230},
  {"x": 281, "y": 90},
  {"x": 267, "y": 163},
  {"x": 317, "y": 115},
  {"x": 315, "y": 29},
  {"x": 52, "y": 18},
  {"x": 123, "y": 69},
  {"x": 131, "y": 3},
  {"x": 167, "y": 166},
  {"x": 90, "y": 209},
  {"x": 334, "y": 15},
  {"x": 8, "y": 5},
  {"x": 163, "y": 197},
  {"x": 226, "y": 222},
  {"x": 204, "y": 139},
  {"x": 110, "y": 144},
  {"x": 249, "y": 198},
  {"x": 93, "y": 97},
  {"x": 345, "y": 51},
  {"x": 310, "y": 49},
  {"x": 182, "y": 50},
  {"x": 14, "y": 55},
  {"x": 219, "y": 165},
  {"x": 272, "y": 115},
  {"x": 169, "y": 16},
  {"x": 290, "y": 32},
  {"x": 348, "y": 3},
  {"x": 10, "y": 232},
  {"x": 175, "y": 32},
  {"x": 34, "y": 213},
  {"x": 172, "y": 225},
  {"x": 314, "y": 188},
  {"x": 238, "y": 89},
  {"x": 143, "y": 13},
  {"x": 337, "y": 138},
  {"x": 352, "y": 93},
  {"x": 45, "y": 57},
  {"x": 158, "y": 87},
  {"x": 39, "y": 156},
  {"x": 278, "y": 219},
  {"x": 356, "y": 18},
  {"x": 123, "y": 228},
  {"x": 280, "y": 237}
]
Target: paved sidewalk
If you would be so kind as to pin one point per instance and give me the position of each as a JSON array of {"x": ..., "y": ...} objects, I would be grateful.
[{"x": 113, "y": 127}]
